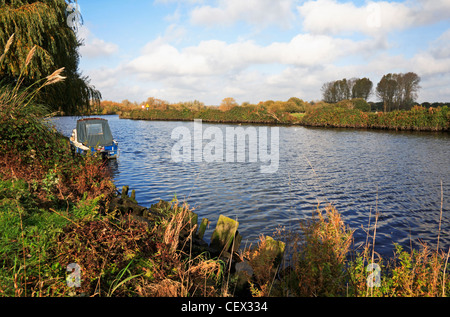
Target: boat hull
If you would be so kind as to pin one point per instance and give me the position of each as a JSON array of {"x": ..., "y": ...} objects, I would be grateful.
[{"x": 107, "y": 152}]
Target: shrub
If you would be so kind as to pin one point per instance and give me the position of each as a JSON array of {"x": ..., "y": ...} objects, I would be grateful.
[
  {"x": 361, "y": 104},
  {"x": 418, "y": 118},
  {"x": 322, "y": 255}
]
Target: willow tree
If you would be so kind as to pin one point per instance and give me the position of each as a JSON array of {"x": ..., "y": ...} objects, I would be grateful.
[{"x": 43, "y": 25}]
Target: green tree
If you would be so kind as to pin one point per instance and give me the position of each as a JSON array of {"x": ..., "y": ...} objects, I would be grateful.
[
  {"x": 362, "y": 88},
  {"x": 338, "y": 90},
  {"x": 343, "y": 89},
  {"x": 329, "y": 92},
  {"x": 398, "y": 91},
  {"x": 361, "y": 104},
  {"x": 387, "y": 91},
  {"x": 409, "y": 88},
  {"x": 299, "y": 103},
  {"x": 42, "y": 25}
]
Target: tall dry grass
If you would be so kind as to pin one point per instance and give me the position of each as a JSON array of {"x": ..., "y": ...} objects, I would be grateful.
[{"x": 324, "y": 263}]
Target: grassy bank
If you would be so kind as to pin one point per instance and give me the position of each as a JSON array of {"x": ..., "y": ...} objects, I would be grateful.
[
  {"x": 241, "y": 114},
  {"x": 345, "y": 114},
  {"x": 55, "y": 210},
  {"x": 120, "y": 256},
  {"x": 418, "y": 118}
]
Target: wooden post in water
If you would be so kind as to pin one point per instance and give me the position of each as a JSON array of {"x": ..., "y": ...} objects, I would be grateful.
[
  {"x": 203, "y": 225},
  {"x": 125, "y": 190},
  {"x": 224, "y": 234}
]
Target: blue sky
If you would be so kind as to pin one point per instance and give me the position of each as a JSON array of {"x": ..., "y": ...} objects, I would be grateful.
[{"x": 257, "y": 50}]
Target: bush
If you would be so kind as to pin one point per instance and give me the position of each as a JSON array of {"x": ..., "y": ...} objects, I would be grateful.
[
  {"x": 33, "y": 151},
  {"x": 322, "y": 256},
  {"x": 341, "y": 115},
  {"x": 361, "y": 104}
]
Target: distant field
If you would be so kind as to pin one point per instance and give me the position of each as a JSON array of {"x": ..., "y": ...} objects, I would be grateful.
[{"x": 298, "y": 115}]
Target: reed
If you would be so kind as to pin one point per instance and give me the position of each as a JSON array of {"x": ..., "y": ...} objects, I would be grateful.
[{"x": 7, "y": 47}]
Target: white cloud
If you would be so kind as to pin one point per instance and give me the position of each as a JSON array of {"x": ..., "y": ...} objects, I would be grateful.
[
  {"x": 332, "y": 17},
  {"x": 374, "y": 18},
  {"x": 214, "y": 57},
  {"x": 104, "y": 78},
  {"x": 255, "y": 12},
  {"x": 441, "y": 47},
  {"x": 431, "y": 11},
  {"x": 214, "y": 69},
  {"x": 94, "y": 47},
  {"x": 435, "y": 89},
  {"x": 160, "y": 60},
  {"x": 427, "y": 65}
]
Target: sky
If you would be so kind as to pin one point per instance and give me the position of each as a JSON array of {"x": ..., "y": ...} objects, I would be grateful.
[{"x": 259, "y": 50}]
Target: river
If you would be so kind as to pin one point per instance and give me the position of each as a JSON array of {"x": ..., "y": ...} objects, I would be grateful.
[{"x": 399, "y": 174}]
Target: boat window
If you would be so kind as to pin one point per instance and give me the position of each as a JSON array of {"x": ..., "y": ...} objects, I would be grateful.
[{"x": 94, "y": 129}]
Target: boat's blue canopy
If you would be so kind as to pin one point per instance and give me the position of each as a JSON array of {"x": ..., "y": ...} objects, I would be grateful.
[{"x": 94, "y": 132}]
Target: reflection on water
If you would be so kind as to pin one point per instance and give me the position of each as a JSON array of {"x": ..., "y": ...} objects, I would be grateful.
[{"x": 398, "y": 174}]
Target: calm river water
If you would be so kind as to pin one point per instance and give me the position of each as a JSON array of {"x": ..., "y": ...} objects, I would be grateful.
[{"x": 398, "y": 173}]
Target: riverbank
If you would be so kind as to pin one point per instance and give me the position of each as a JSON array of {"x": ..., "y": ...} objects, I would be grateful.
[
  {"x": 416, "y": 119},
  {"x": 342, "y": 115},
  {"x": 60, "y": 212},
  {"x": 66, "y": 232},
  {"x": 246, "y": 114}
]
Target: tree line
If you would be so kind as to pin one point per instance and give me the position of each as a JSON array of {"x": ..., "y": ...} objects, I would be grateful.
[
  {"x": 395, "y": 91},
  {"x": 343, "y": 89}
]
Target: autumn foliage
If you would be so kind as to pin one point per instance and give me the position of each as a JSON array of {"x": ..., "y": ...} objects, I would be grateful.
[{"x": 418, "y": 118}]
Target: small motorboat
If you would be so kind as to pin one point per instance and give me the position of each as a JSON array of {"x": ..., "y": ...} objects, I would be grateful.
[{"x": 93, "y": 135}]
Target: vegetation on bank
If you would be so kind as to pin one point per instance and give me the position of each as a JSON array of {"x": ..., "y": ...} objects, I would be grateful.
[
  {"x": 396, "y": 91},
  {"x": 354, "y": 113},
  {"x": 344, "y": 115},
  {"x": 245, "y": 114},
  {"x": 269, "y": 112}
]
